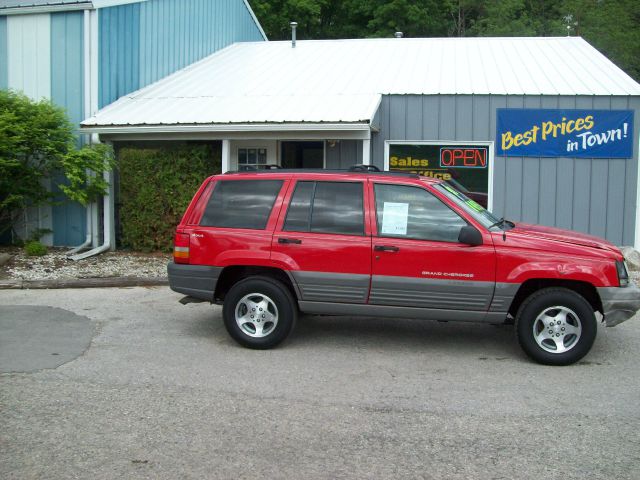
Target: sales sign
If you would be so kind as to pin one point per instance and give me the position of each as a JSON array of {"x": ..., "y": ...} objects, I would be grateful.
[{"x": 564, "y": 133}]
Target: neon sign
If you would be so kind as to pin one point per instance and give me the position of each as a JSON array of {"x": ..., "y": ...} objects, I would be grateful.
[{"x": 463, "y": 157}]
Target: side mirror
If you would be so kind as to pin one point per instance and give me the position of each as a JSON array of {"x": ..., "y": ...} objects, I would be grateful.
[{"x": 470, "y": 236}]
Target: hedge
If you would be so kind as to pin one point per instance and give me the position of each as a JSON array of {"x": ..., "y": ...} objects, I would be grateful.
[{"x": 156, "y": 186}]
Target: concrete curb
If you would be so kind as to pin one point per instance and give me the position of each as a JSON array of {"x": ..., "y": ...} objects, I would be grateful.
[{"x": 10, "y": 284}]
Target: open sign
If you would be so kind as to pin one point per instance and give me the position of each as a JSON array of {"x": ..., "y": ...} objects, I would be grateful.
[{"x": 463, "y": 157}]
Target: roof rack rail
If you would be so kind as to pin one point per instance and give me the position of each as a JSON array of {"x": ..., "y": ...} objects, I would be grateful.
[
  {"x": 351, "y": 170},
  {"x": 361, "y": 167}
]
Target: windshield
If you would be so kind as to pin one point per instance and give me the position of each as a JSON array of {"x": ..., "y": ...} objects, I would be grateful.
[{"x": 473, "y": 208}]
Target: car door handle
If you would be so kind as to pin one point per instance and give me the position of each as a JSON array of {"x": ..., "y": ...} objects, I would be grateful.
[
  {"x": 386, "y": 248},
  {"x": 289, "y": 240}
]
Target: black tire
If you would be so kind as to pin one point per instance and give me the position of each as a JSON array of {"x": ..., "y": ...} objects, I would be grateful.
[
  {"x": 259, "y": 332},
  {"x": 568, "y": 314}
]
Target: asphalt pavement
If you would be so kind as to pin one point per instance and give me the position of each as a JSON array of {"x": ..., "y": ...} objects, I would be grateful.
[{"x": 143, "y": 387}]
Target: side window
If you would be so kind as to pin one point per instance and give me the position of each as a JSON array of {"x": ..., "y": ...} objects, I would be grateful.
[
  {"x": 241, "y": 204},
  {"x": 326, "y": 207},
  {"x": 412, "y": 212}
]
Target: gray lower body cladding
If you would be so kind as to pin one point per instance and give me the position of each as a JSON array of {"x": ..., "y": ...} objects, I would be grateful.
[
  {"x": 332, "y": 287},
  {"x": 346, "y": 294},
  {"x": 431, "y": 293},
  {"x": 198, "y": 281},
  {"x": 619, "y": 303},
  {"x": 368, "y": 310}
]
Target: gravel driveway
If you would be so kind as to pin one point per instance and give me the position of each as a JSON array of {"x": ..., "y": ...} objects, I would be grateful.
[{"x": 56, "y": 266}]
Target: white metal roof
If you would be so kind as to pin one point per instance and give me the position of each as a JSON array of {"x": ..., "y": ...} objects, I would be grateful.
[{"x": 343, "y": 80}]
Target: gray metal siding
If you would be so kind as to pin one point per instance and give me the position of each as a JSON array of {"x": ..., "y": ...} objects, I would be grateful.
[
  {"x": 344, "y": 154},
  {"x": 596, "y": 196}
]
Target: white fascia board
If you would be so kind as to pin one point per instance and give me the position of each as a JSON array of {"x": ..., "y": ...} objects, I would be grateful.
[
  {"x": 255, "y": 19},
  {"x": 46, "y": 9},
  {"x": 113, "y": 3},
  {"x": 258, "y": 127}
]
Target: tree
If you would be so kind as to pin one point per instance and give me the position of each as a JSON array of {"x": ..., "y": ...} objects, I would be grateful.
[
  {"x": 612, "y": 26},
  {"x": 36, "y": 143}
]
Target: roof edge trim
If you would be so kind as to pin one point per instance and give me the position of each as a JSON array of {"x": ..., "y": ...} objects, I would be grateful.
[
  {"x": 219, "y": 128},
  {"x": 46, "y": 8},
  {"x": 255, "y": 19}
]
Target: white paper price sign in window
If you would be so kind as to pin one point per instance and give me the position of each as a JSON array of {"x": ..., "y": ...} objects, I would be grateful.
[{"x": 394, "y": 218}]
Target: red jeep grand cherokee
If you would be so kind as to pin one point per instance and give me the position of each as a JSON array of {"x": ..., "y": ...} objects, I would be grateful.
[{"x": 273, "y": 243}]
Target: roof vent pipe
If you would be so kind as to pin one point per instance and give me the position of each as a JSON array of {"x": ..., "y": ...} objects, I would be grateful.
[
  {"x": 293, "y": 34},
  {"x": 398, "y": 34}
]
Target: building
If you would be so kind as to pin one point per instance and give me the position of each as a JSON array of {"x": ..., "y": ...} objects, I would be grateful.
[
  {"x": 470, "y": 110},
  {"x": 85, "y": 54}
]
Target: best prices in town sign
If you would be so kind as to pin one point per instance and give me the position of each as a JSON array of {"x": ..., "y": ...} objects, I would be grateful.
[{"x": 564, "y": 133}]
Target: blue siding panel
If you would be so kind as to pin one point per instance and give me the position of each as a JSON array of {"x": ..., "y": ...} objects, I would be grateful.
[
  {"x": 176, "y": 33},
  {"x": 67, "y": 67},
  {"x": 4, "y": 72},
  {"x": 119, "y": 52},
  {"x": 67, "y": 63},
  {"x": 144, "y": 42}
]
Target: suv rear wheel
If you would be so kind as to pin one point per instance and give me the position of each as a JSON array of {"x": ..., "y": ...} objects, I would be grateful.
[
  {"x": 556, "y": 326},
  {"x": 259, "y": 312}
]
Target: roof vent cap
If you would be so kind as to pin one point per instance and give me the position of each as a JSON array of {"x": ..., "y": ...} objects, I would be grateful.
[
  {"x": 294, "y": 25},
  {"x": 398, "y": 34}
]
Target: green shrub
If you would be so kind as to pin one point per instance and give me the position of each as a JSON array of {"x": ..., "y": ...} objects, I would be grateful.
[
  {"x": 156, "y": 186},
  {"x": 34, "y": 248},
  {"x": 37, "y": 145}
]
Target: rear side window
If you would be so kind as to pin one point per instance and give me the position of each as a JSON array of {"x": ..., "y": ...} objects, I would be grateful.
[
  {"x": 326, "y": 207},
  {"x": 241, "y": 204}
]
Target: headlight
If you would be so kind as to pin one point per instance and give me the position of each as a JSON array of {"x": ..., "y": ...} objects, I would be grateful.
[{"x": 623, "y": 275}]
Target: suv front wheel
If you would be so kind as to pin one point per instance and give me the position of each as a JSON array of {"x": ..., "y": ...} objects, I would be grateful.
[
  {"x": 556, "y": 326},
  {"x": 259, "y": 312}
]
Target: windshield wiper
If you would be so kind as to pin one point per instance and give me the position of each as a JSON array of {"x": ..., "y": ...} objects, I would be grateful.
[{"x": 499, "y": 223}]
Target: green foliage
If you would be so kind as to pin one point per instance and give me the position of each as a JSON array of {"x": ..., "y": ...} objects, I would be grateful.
[
  {"x": 156, "y": 186},
  {"x": 34, "y": 248},
  {"x": 37, "y": 142},
  {"x": 85, "y": 186},
  {"x": 609, "y": 25},
  {"x": 34, "y": 137}
]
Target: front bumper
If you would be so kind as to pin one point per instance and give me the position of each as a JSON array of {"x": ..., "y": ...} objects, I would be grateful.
[
  {"x": 198, "y": 281},
  {"x": 619, "y": 303}
]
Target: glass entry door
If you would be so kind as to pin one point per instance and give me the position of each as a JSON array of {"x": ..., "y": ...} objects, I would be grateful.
[{"x": 302, "y": 154}]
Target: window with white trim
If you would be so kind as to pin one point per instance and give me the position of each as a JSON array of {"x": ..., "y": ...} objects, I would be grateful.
[{"x": 252, "y": 158}]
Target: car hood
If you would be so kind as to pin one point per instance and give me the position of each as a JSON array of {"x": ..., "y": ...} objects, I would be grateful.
[{"x": 564, "y": 236}]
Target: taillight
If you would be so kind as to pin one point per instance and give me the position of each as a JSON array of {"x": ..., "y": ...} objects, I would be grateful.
[{"x": 181, "y": 248}]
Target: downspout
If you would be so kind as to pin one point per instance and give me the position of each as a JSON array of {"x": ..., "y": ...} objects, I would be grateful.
[
  {"x": 109, "y": 231},
  {"x": 89, "y": 51},
  {"x": 91, "y": 99}
]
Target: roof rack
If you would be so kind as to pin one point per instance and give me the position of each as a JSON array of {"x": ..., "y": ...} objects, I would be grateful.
[{"x": 358, "y": 168}]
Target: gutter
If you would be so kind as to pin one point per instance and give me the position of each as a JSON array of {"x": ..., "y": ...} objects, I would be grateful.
[{"x": 225, "y": 128}]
